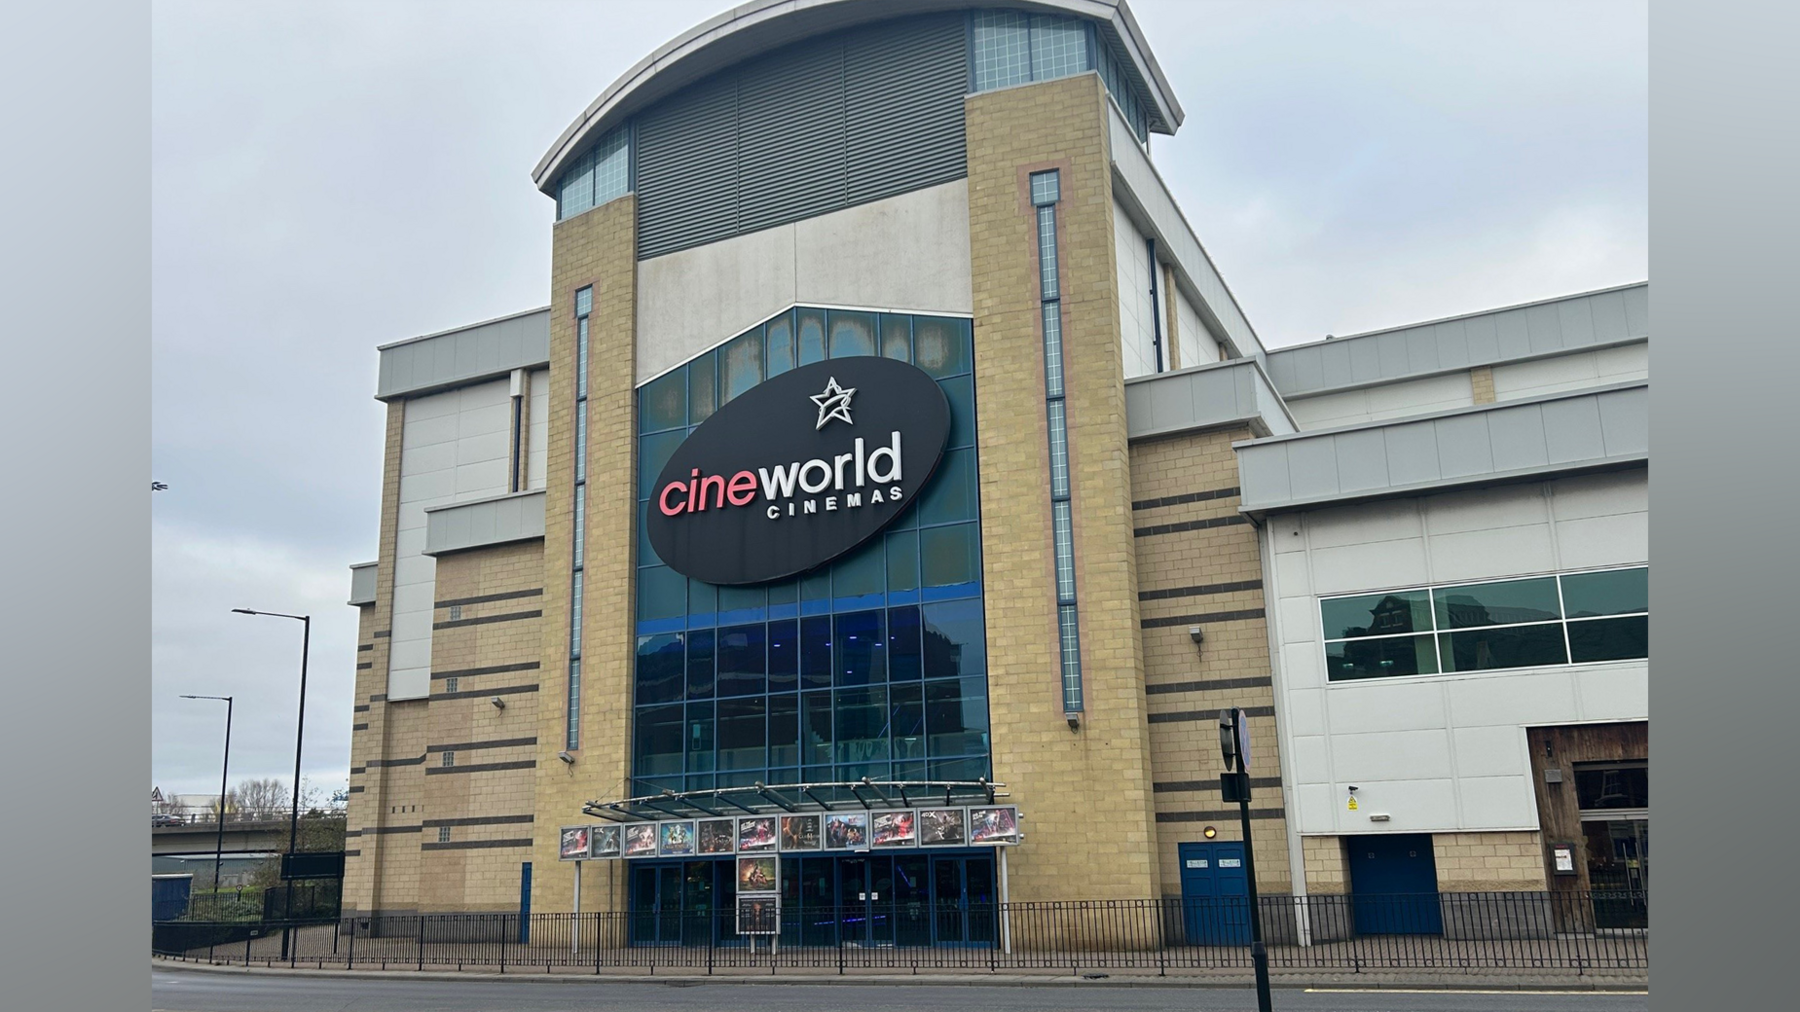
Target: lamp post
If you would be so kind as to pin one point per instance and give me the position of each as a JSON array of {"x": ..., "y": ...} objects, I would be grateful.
[
  {"x": 224, "y": 773},
  {"x": 299, "y": 737}
]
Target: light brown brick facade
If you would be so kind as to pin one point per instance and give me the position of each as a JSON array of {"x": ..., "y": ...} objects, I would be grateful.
[
  {"x": 1489, "y": 862},
  {"x": 1098, "y": 775},
  {"x": 1200, "y": 566},
  {"x": 598, "y": 248}
]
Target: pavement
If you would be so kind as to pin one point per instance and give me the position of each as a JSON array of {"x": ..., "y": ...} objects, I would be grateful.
[{"x": 177, "y": 987}]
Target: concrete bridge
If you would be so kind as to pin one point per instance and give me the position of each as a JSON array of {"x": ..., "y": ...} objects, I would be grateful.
[{"x": 194, "y": 839}]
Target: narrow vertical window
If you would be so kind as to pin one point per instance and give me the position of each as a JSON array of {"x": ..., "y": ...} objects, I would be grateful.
[
  {"x": 584, "y": 307},
  {"x": 1046, "y": 192}
]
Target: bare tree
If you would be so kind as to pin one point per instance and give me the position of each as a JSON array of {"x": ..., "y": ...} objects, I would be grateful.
[{"x": 266, "y": 796}]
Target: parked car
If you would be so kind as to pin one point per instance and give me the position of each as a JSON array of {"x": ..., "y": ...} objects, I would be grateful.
[{"x": 161, "y": 819}]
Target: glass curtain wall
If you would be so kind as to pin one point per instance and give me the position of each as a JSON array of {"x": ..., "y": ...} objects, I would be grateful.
[{"x": 873, "y": 665}]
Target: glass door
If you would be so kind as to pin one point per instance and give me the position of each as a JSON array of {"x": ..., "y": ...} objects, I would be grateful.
[
  {"x": 1618, "y": 854},
  {"x": 853, "y": 900},
  {"x": 912, "y": 900},
  {"x": 950, "y": 913}
]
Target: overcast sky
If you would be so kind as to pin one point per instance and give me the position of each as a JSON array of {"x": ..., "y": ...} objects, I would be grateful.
[{"x": 332, "y": 176}]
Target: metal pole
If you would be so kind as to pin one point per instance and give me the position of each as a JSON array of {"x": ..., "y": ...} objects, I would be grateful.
[
  {"x": 1258, "y": 954},
  {"x": 224, "y": 776},
  {"x": 575, "y": 921},
  {"x": 1005, "y": 906},
  {"x": 299, "y": 738}
]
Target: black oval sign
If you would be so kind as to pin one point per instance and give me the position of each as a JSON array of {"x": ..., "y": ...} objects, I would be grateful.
[{"x": 798, "y": 470}]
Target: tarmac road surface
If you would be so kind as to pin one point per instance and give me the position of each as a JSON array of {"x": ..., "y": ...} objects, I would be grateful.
[{"x": 201, "y": 991}]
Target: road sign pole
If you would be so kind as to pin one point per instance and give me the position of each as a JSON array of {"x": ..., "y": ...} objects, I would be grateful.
[{"x": 1234, "y": 743}]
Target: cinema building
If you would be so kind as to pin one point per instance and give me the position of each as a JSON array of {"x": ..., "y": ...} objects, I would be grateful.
[{"x": 890, "y": 453}]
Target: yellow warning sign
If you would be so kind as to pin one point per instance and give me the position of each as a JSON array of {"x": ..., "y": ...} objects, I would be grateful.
[{"x": 1351, "y": 804}]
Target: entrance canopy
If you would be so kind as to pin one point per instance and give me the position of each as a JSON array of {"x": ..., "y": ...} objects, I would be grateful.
[{"x": 772, "y": 799}]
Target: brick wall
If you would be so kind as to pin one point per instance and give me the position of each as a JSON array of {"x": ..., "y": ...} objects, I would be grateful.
[
  {"x": 597, "y": 248},
  {"x": 1489, "y": 862},
  {"x": 1099, "y": 776},
  {"x": 1200, "y": 565}
]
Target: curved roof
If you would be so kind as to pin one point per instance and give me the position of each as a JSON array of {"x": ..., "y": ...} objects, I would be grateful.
[{"x": 761, "y": 25}]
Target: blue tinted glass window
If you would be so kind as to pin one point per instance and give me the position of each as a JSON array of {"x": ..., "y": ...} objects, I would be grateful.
[
  {"x": 662, "y": 593},
  {"x": 743, "y": 660},
  {"x": 654, "y": 453},
  {"x": 1058, "y": 47},
  {"x": 781, "y": 344},
  {"x": 905, "y": 660},
  {"x": 906, "y": 720},
  {"x": 955, "y": 643},
  {"x": 941, "y": 345},
  {"x": 741, "y": 366},
  {"x": 896, "y": 336},
  {"x": 659, "y": 745},
  {"x": 703, "y": 389},
  {"x": 949, "y": 555},
  {"x": 784, "y": 732},
  {"x": 1002, "y": 49},
  {"x": 815, "y": 728},
  {"x": 861, "y": 572},
  {"x": 951, "y": 495},
  {"x": 852, "y": 334},
  {"x": 903, "y": 560},
  {"x": 700, "y": 662},
  {"x": 659, "y": 662},
  {"x": 699, "y": 737},
  {"x": 960, "y": 392},
  {"x": 815, "y": 652},
  {"x": 1614, "y": 592},
  {"x": 663, "y": 403},
  {"x": 861, "y": 648},
  {"x": 861, "y": 723},
  {"x": 784, "y": 656},
  {"x": 812, "y": 335},
  {"x": 743, "y": 734},
  {"x": 956, "y": 717}
]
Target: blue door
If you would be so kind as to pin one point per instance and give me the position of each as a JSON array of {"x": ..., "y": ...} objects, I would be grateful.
[
  {"x": 1215, "y": 893},
  {"x": 1393, "y": 885}
]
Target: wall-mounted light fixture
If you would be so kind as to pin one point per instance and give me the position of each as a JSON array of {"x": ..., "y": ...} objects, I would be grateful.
[
  {"x": 499, "y": 704},
  {"x": 566, "y": 757}
]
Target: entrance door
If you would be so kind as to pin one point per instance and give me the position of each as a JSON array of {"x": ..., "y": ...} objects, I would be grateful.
[
  {"x": 679, "y": 904},
  {"x": 912, "y": 900},
  {"x": 1618, "y": 854},
  {"x": 1393, "y": 885},
  {"x": 853, "y": 900},
  {"x": 1215, "y": 893}
]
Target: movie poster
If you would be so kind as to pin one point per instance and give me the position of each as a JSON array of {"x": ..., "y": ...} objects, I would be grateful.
[
  {"x": 799, "y": 832},
  {"x": 677, "y": 839},
  {"x": 758, "y": 915},
  {"x": 717, "y": 836},
  {"x": 942, "y": 827},
  {"x": 990, "y": 826},
  {"x": 640, "y": 839},
  {"x": 849, "y": 831},
  {"x": 604, "y": 840},
  {"x": 574, "y": 843},
  {"x": 756, "y": 833},
  {"x": 756, "y": 874},
  {"x": 893, "y": 829}
]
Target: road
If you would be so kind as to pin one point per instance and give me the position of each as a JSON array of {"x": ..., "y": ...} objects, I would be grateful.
[{"x": 191, "y": 991}]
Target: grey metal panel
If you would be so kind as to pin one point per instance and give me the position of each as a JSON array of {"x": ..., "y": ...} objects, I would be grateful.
[
  {"x": 1412, "y": 453},
  {"x": 497, "y": 521},
  {"x": 686, "y": 155},
  {"x": 470, "y": 354},
  {"x": 790, "y": 136},
  {"x": 1552, "y": 327},
  {"x": 1235, "y": 392},
  {"x": 1517, "y": 437},
  {"x": 1361, "y": 460},
  {"x": 1312, "y": 468},
  {"x": 1637, "y": 310},
  {"x": 1572, "y": 430},
  {"x": 1625, "y": 422},
  {"x": 1608, "y": 310},
  {"x": 362, "y": 583},
  {"x": 1547, "y": 436},
  {"x": 903, "y": 106},
  {"x": 1464, "y": 447}
]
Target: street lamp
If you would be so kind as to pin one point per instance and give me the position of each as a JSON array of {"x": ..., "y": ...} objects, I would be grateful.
[
  {"x": 299, "y": 737},
  {"x": 224, "y": 772}
]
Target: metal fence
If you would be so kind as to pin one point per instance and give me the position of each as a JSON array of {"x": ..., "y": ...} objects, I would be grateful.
[{"x": 1473, "y": 932}]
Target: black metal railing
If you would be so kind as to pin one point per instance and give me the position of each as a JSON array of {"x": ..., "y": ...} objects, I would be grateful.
[{"x": 1472, "y": 932}]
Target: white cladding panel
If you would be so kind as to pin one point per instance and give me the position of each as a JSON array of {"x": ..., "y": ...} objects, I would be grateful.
[
  {"x": 537, "y": 441},
  {"x": 1619, "y": 364},
  {"x": 1136, "y": 324},
  {"x": 1446, "y": 752},
  {"x": 1379, "y": 403},
  {"x": 453, "y": 448},
  {"x": 1191, "y": 336},
  {"x": 908, "y": 253}
]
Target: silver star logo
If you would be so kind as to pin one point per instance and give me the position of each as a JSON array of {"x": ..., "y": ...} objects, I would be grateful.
[{"x": 833, "y": 403}]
